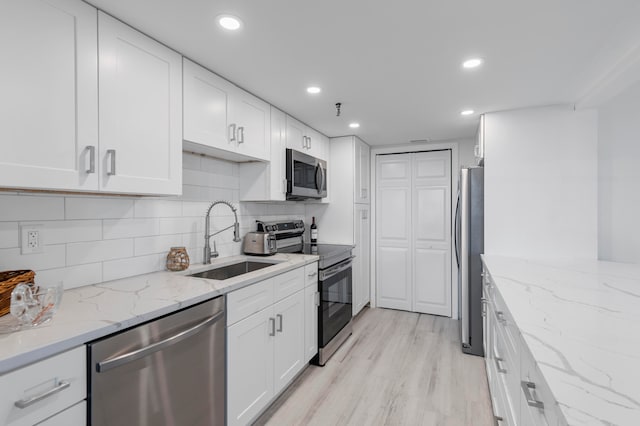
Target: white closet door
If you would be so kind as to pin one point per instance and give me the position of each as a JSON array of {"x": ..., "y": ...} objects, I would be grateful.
[
  {"x": 413, "y": 232},
  {"x": 431, "y": 218},
  {"x": 393, "y": 232}
]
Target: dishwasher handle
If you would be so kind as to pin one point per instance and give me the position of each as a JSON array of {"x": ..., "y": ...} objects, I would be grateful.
[{"x": 109, "y": 364}]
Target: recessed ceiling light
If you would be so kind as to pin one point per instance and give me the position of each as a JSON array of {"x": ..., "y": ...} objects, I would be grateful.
[
  {"x": 472, "y": 63},
  {"x": 354, "y": 125},
  {"x": 314, "y": 90},
  {"x": 229, "y": 22},
  {"x": 467, "y": 112}
]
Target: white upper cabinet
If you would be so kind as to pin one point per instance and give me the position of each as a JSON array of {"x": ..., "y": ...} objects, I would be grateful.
[
  {"x": 140, "y": 83},
  {"x": 223, "y": 120},
  {"x": 250, "y": 118},
  {"x": 267, "y": 181},
  {"x": 206, "y": 97},
  {"x": 304, "y": 139},
  {"x": 49, "y": 101}
]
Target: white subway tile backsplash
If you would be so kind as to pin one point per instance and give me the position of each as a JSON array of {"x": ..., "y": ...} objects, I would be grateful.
[
  {"x": 98, "y": 208},
  {"x": 51, "y": 257},
  {"x": 98, "y": 251},
  {"x": 123, "y": 268},
  {"x": 157, "y": 244},
  {"x": 195, "y": 208},
  {"x": 72, "y": 276},
  {"x": 69, "y": 231},
  {"x": 129, "y": 228},
  {"x": 91, "y": 239},
  {"x": 157, "y": 208},
  {"x": 9, "y": 236},
  {"x": 24, "y": 207},
  {"x": 191, "y": 161}
]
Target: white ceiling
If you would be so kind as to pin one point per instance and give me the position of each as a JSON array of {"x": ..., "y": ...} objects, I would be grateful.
[{"x": 395, "y": 65}]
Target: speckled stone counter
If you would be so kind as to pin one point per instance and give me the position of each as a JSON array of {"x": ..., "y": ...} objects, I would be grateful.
[
  {"x": 581, "y": 322},
  {"x": 88, "y": 313}
]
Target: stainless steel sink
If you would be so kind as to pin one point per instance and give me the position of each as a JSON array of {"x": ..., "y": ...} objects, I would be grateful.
[{"x": 233, "y": 270}]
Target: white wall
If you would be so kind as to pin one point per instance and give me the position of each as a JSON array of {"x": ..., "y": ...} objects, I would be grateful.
[
  {"x": 619, "y": 177},
  {"x": 541, "y": 183},
  {"x": 91, "y": 239}
]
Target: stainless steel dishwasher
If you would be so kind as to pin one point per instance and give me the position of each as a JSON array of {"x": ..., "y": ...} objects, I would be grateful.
[{"x": 170, "y": 371}]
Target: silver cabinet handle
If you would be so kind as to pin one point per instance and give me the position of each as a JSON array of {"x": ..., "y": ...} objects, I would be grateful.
[
  {"x": 484, "y": 302},
  {"x": 499, "y": 365},
  {"x": 60, "y": 386},
  {"x": 109, "y": 364},
  {"x": 309, "y": 141},
  {"x": 500, "y": 316},
  {"x": 111, "y": 153},
  {"x": 317, "y": 297},
  {"x": 284, "y": 186},
  {"x": 232, "y": 132},
  {"x": 364, "y": 214},
  {"x": 92, "y": 159},
  {"x": 497, "y": 420},
  {"x": 279, "y": 316},
  {"x": 304, "y": 142},
  {"x": 527, "y": 387},
  {"x": 364, "y": 193},
  {"x": 313, "y": 274},
  {"x": 272, "y": 322},
  {"x": 241, "y": 134}
]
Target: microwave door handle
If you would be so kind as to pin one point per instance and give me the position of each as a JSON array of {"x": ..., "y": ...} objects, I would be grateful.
[{"x": 319, "y": 180}]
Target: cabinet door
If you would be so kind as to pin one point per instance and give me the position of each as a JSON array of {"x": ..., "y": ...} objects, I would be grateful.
[
  {"x": 140, "y": 84},
  {"x": 49, "y": 101},
  {"x": 310, "y": 322},
  {"x": 296, "y": 135},
  {"x": 250, "y": 345},
  {"x": 252, "y": 118},
  {"x": 362, "y": 166},
  {"x": 362, "y": 239},
  {"x": 206, "y": 97},
  {"x": 289, "y": 342},
  {"x": 315, "y": 143}
]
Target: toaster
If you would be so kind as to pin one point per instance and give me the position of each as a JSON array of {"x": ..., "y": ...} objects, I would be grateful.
[{"x": 259, "y": 243}]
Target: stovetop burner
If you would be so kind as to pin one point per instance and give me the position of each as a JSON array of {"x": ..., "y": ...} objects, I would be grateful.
[{"x": 330, "y": 254}]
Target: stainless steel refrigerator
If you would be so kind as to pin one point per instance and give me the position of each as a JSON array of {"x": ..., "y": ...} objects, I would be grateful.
[{"x": 469, "y": 244}]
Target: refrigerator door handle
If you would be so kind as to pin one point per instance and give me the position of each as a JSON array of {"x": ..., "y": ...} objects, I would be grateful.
[
  {"x": 464, "y": 255},
  {"x": 455, "y": 230}
]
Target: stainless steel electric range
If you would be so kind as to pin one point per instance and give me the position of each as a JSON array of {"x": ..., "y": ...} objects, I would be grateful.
[{"x": 334, "y": 283}]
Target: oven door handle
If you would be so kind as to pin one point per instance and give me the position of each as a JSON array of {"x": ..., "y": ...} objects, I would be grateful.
[{"x": 336, "y": 269}]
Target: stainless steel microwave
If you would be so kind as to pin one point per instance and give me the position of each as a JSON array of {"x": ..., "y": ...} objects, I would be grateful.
[{"x": 306, "y": 176}]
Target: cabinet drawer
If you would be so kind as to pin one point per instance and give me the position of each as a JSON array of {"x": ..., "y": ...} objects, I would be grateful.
[
  {"x": 505, "y": 323},
  {"x": 311, "y": 274},
  {"x": 288, "y": 283},
  {"x": 44, "y": 388},
  {"x": 74, "y": 416},
  {"x": 249, "y": 300},
  {"x": 534, "y": 390}
]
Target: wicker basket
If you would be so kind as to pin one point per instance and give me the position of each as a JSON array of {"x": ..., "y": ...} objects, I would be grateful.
[{"x": 8, "y": 281}]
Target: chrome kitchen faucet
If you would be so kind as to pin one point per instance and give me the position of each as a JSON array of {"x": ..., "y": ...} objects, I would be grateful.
[{"x": 206, "y": 259}]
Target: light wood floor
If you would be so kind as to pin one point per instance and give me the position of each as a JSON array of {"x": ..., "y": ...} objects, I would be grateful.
[{"x": 398, "y": 368}]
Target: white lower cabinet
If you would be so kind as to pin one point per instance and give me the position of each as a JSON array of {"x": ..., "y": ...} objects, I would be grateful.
[
  {"x": 361, "y": 261},
  {"x": 519, "y": 393},
  {"x": 311, "y": 304},
  {"x": 76, "y": 415},
  {"x": 45, "y": 390},
  {"x": 267, "y": 348}
]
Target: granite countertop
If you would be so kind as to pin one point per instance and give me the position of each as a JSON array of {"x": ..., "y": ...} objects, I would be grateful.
[
  {"x": 88, "y": 313},
  {"x": 581, "y": 322}
]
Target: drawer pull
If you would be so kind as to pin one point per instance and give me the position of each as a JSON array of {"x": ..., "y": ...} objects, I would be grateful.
[
  {"x": 499, "y": 366},
  {"x": 527, "y": 387},
  {"x": 272, "y": 322},
  {"x": 24, "y": 403},
  {"x": 500, "y": 316},
  {"x": 313, "y": 274},
  {"x": 497, "y": 420},
  {"x": 484, "y": 302}
]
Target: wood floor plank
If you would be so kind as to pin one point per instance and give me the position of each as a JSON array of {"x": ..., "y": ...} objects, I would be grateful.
[{"x": 398, "y": 368}]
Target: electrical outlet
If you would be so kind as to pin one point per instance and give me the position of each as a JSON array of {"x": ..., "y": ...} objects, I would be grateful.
[{"x": 31, "y": 236}]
